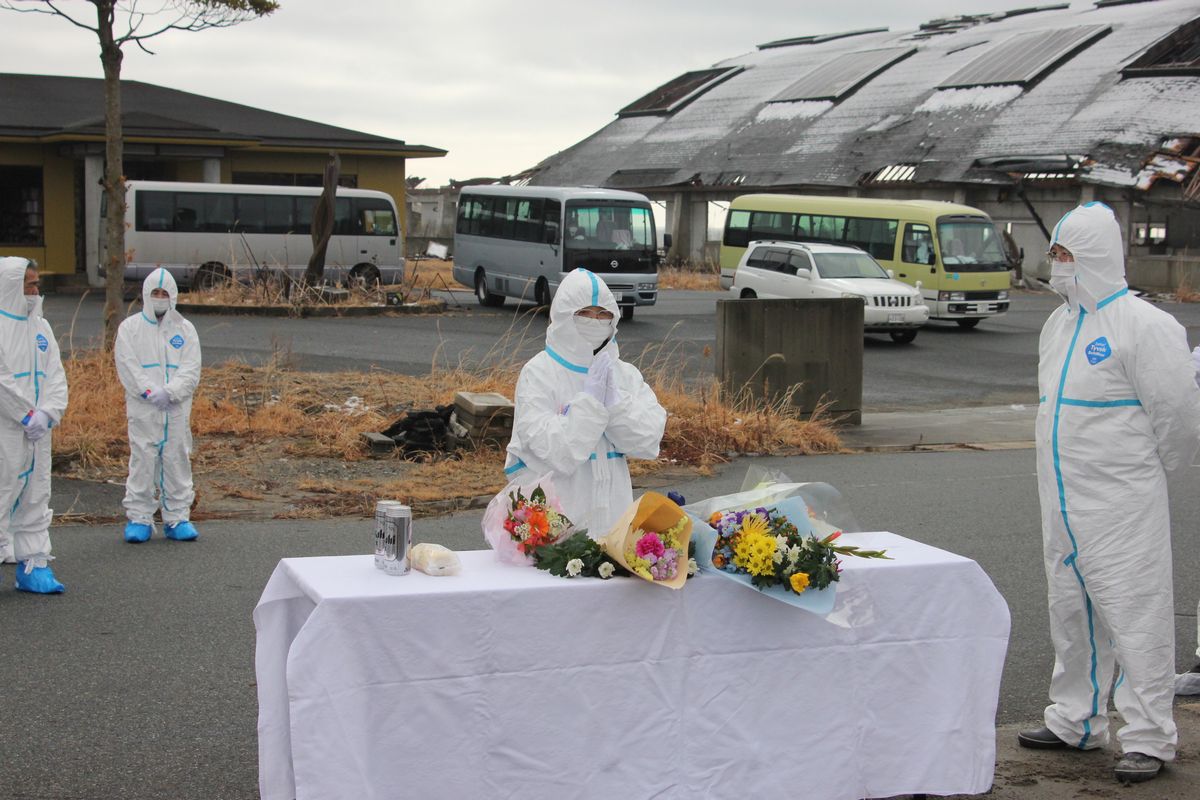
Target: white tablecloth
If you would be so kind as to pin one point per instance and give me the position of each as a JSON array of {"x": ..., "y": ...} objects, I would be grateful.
[{"x": 506, "y": 682}]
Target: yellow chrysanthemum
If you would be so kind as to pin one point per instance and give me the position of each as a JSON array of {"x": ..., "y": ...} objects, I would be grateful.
[
  {"x": 753, "y": 523},
  {"x": 799, "y": 581},
  {"x": 755, "y": 550}
]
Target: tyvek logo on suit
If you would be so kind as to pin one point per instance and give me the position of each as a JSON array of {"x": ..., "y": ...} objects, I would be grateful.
[
  {"x": 177, "y": 341},
  {"x": 1098, "y": 350}
]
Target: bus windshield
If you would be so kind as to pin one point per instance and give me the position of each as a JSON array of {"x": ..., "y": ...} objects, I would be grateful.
[
  {"x": 970, "y": 245},
  {"x": 848, "y": 265},
  {"x": 608, "y": 226}
]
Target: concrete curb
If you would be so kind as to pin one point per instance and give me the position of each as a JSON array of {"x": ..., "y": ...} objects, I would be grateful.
[{"x": 438, "y": 307}]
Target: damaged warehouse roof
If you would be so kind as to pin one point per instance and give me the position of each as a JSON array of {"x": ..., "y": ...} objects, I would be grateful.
[{"x": 1106, "y": 94}]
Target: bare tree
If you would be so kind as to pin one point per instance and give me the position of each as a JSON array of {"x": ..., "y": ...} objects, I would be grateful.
[{"x": 118, "y": 23}]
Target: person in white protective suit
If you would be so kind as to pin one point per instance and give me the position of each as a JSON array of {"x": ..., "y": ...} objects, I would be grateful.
[
  {"x": 1189, "y": 682},
  {"x": 580, "y": 411},
  {"x": 158, "y": 361},
  {"x": 33, "y": 399},
  {"x": 1119, "y": 408}
]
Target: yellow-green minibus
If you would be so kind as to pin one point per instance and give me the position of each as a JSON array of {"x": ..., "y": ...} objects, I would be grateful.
[{"x": 954, "y": 251}]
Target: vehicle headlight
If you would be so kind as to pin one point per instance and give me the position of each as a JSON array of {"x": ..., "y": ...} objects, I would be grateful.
[
  {"x": 943, "y": 296},
  {"x": 1002, "y": 296},
  {"x": 852, "y": 294},
  {"x": 645, "y": 287}
]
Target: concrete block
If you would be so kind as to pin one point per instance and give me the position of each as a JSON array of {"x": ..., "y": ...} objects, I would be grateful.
[{"x": 807, "y": 350}]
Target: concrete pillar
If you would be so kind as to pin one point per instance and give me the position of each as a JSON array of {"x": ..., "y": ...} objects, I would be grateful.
[
  {"x": 1087, "y": 193},
  {"x": 679, "y": 220},
  {"x": 698, "y": 208},
  {"x": 93, "y": 174},
  {"x": 212, "y": 170}
]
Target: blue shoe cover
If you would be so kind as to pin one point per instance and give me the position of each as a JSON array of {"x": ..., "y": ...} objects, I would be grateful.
[
  {"x": 39, "y": 580},
  {"x": 181, "y": 531},
  {"x": 138, "y": 532}
]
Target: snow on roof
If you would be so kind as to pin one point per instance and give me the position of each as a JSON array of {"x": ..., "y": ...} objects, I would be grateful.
[{"x": 732, "y": 135}]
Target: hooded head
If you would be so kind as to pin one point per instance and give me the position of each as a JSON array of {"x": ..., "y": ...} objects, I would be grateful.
[
  {"x": 13, "y": 305},
  {"x": 1093, "y": 236},
  {"x": 579, "y": 289},
  {"x": 158, "y": 279}
]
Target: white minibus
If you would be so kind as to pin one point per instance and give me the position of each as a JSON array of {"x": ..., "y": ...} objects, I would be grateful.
[
  {"x": 518, "y": 241},
  {"x": 207, "y": 233}
]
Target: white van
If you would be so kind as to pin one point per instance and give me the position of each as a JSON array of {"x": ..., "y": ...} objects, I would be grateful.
[{"x": 207, "y": 233}]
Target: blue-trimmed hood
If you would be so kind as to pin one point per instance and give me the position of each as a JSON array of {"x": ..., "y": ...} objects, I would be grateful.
[
  {"x": 580, "y": 288},
  {"x": 158, "y": 279},
  {"x": 1093, "y": 235},
  {"x": 12, "y": 286}
]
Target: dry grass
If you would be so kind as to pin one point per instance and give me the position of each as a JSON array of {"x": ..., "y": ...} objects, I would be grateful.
[
  {"x": 251, "y": 423},
  {"x": 698, "y": 277},
  {"x": 1184, "y": 293}
]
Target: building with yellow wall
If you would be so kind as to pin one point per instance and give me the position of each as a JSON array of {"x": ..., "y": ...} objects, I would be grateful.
[{"x": 52, "y": 157}]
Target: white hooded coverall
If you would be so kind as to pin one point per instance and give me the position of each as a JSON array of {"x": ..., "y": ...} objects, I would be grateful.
[
  {"x": 560, "y": 430},
  {"x": 1118, "y": 408},
  {"x": 158, "y": 352},
  {"x": 31, "y": 377}
]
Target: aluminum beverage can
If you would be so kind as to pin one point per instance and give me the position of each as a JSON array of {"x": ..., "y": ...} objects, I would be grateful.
[
  {"x": 397, "y": 539},
  {"x": 381, "y": 508}
]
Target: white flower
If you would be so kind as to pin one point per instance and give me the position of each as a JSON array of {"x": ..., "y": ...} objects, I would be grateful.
[
  {"x": 794, "y": 553},
  {"x": 781, "y": 543},
  {"x": 693, "y": 567},
  {"x": 606, "y": 569},
  {"x": 777, "y": 556},
  {"x": 574, "y": 567}
]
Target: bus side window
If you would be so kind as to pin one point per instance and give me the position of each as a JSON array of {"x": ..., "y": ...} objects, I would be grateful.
[
  {"x": 552, "y": 214},
  {"x": 918, "y": 244},
  {"x": 375, "y": 217},
  {"x": 737, "y": 228},
  {"x": 344, "y": 223}
]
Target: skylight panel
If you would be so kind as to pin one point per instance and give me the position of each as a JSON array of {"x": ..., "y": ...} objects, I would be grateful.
[
  {"x": 677, "y": 93},
  {"x": 1177, "y": 53},
  {"x": 837, "y": 78},
  {"x": 818, "y": 38},
  {"x": 1025, "y": 58}
]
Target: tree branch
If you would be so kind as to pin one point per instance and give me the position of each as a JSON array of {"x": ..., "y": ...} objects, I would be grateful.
[{"x": 54, "y": 12}]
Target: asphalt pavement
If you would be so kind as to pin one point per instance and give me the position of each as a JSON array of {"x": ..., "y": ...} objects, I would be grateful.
[{"x": 139, "y": 681}]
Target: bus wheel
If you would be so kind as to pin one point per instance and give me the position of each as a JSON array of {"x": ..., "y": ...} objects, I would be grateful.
[
  {"x": 626, "y": 313},
  {"x": 365, "y": 275},
  {"x": 541, "y": 292},
  {"x": 482, "y": 294},
  {"x": 968, "y": 323},
  {"x": 748, "y": 294},
  {"x": 210, "y": 276},
  {"x": 903, "y": 337}
]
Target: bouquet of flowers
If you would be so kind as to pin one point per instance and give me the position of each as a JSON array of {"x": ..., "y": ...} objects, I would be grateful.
[
  {"x": 521, "y": 519},
  {"x": 779, "y": 537},
  {"x": 651, "y": 540}
]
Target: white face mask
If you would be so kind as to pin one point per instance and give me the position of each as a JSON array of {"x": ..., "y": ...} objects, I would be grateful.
[
  {"x": 160, "y": 305},
  {"x": 1062, "y": 278},
  {"x": 594, "y": 331},
  {"x": 31, "y": 302}
]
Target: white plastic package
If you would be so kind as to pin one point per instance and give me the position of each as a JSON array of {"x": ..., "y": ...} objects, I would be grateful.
[{"x": 434, "y": 559}]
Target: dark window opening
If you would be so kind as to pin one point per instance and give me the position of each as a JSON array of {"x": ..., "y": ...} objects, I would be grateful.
[
  {"x": 346, "y": 180},
  {"x": 22, "y": 220},
  {"x": 675, "y": 94},
  {"x": 1177, "y": 53}
]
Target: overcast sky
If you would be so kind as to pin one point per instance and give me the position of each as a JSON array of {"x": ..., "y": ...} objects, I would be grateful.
[{"x": 501, "y": 85}]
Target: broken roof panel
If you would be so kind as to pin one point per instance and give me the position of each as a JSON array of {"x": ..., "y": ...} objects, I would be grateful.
[
  {"x": 1025, "y": 57},
  {"x": 842, "y": 75},
  {"x": 1177, "y": 53},
  {"x": 676, "y": 93}
]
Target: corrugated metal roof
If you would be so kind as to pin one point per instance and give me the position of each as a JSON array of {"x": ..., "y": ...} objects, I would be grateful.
[{"x": 1082, "y": 106}]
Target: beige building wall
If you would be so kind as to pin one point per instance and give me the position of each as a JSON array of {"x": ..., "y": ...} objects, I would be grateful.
[{"x": 57, "y": 252}]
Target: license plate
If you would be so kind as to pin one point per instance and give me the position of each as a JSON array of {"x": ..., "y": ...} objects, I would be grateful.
[{"x": 893, "y": 318}]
